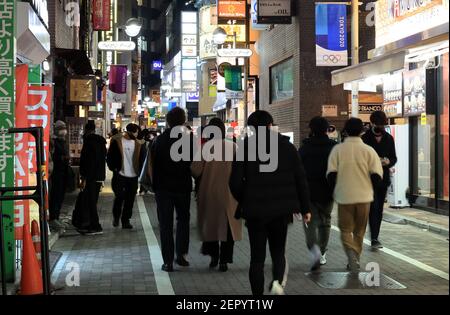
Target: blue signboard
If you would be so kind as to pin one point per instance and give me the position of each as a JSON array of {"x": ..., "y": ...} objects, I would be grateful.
[
  {"x": 157, "y": 65},
  {"x": 331, "y": 35}
]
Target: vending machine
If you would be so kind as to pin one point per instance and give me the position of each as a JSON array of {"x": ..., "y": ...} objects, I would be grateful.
[{"x": 397, "y": 191}]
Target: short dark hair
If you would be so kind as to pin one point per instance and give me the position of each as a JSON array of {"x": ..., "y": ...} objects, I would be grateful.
[
  {"x": 131, "y": 127},
  {"x": 260, "y": 118},
  {"x": 217, "y": 122},
  {"x": 354, "y": 127},
  {"x": 379, "y": 118},
  {"x": 319, "y": 125},
  {"x": 90, "y": 126},
  {"x": 176, "y": 117}
]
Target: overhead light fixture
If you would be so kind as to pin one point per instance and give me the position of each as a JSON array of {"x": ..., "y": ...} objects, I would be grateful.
[{"x": 133, "y": 27}]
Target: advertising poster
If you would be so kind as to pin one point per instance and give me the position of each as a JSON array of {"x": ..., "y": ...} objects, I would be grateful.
[
  {"x": 117, "y": 89},
  {"x": 101, "y": 15},
  {"x": 231, "y": 9},
  {"x": 414, "y": 101},
  {"x": 393, "y": 95},
  {"x": 331, "y": 35}
]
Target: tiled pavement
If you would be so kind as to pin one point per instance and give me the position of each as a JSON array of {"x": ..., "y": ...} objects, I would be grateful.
[{"x": 118, "y": 262}]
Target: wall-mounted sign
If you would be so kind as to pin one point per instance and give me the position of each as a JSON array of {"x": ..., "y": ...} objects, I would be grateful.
[
  {"x": 193, "y": 97},
  {"x": 254, "y": 16},
  {"x": 157, "y": 65},
  {"x": 397, "y": 19},
  {"x": 117, "y": 46},
  {"x": 274, "y": 12},
  {"x": 369, "y": 108},
  {"x": 189, "y": 51},
  {"x": 208, "y": 23},
  {"x": 239, "y": 29},
  {"x": 393, "y": 95},
  {"x": 237, "y": 53},
  {"x": 188, "y": 75},
  {"x": 81, "y": 90},
  {"x": 331, "y": 35},
  {"x": 414, "y": 97},
  {"x": 329, "y": 110},
  {"x": 189, "y": 86},
  {"x": 231, "y": 9},
  {"x": 233, "y": 82},
  {"x": 101, "y": 15}
]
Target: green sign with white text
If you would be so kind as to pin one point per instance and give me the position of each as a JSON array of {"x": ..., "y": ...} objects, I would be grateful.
[{"x": 7, "y": 58}]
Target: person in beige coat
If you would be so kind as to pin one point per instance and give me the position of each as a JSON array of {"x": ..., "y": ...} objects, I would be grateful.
[{"x": 216, "y": 205}]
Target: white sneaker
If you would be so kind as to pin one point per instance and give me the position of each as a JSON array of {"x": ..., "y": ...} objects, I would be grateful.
[
  {"x": 276, "y": 289},
  {"x": 285, "y": 276},
  {"x": 323, "y": 259}
]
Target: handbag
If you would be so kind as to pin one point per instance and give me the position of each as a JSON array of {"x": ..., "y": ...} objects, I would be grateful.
[
  {"x": 239, "y": 209},
  {"x": 79, "y": 218}
]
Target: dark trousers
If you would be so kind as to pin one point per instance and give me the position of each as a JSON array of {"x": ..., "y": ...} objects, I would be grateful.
[
  {"x": 376, "y": 210},
  {"x": 57, "y": 192},
  {"x": 318, "y": 230},
  {"x": 166, "y": 203},
  {"x": 125, "y": 190},
  {"x": 222, "y": 251},
  {"x": 259, "y": 232},
  {"x": 90, "y": 214}
]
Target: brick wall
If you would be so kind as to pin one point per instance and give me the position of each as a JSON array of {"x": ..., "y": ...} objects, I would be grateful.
[{"x": 312, "y": 85}]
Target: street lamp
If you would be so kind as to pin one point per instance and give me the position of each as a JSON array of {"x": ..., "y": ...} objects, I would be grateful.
[
  {"x": 133, "y": 27},
  {"x": 219, "y": 36}
]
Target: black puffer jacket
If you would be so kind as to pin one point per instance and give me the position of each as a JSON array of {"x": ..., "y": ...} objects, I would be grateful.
[
  {"x": 169, "y": 175},
  {"x": 93, "y": 158},
  {"x": 267, "y": 195},
  {"x": 314, "y": 153}
]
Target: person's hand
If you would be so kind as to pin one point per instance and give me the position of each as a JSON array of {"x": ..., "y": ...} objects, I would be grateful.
[
  {"x": 298, "y": 216},
  {"x": 385, "y": 162},
  {"x": 82, "y": 184}
]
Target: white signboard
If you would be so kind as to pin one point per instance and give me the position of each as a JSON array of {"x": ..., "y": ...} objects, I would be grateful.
[
  {"x": 398, "y": 19},
  {"x": 117, "y": 46},
  {"x": 274, "y": 8},
  {"x": 254, "y": 15},
  {"x": 237, "y": 53},
  {"x": 208, "y": 23}
]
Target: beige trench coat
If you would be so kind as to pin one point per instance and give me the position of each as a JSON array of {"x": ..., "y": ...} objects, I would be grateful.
[{"x": 216, "y": 206}]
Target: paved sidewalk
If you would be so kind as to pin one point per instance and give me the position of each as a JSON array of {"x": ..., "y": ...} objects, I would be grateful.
[{"x": 118, "y": 262}]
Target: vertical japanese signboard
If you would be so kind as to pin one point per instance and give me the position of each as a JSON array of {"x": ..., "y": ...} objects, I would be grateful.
[
  {"x": 331, "y": 35},
  {"x": 189, "y": 30},
  {"x": 7, "y": 14},
  {"x": 101, "y": 15}
]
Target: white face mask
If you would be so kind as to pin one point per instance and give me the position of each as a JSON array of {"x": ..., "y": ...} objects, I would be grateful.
[{"x": 62, "y": 133}]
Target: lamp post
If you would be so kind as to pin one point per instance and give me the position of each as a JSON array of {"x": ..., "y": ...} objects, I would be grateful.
[{"x": 355, "y": 55}]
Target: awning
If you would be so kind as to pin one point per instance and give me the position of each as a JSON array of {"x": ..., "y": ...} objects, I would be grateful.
[
  {"x": 76, "y": 59},
  {"x": 369, "y": 68}
]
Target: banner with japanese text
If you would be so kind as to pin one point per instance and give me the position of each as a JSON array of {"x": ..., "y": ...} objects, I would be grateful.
[
  {"x": 101, "y": 15},
  {"x": 22, "y": 166},
  {"x": 7, "y": 58},
  {"x": 331, "y": 35}
]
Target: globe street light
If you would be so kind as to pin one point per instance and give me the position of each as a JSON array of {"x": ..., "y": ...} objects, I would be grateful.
[
  {"x": 133, "y": 27},
  {"x": 219, "y": 36}
]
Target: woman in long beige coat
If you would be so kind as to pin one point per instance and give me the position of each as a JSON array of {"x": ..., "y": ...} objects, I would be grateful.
[{"x": 216, "y": 205}]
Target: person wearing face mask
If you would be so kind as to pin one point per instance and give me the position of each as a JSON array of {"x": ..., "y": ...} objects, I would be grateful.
[
  {"x": 384, "y": 145},
  {"x": 60, "y": 157},
  {"x": 125, "y": 159}
]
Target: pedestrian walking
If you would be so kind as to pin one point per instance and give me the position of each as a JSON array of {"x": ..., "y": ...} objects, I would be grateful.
[
  {"x": 60, "y": 174},
  {"x": 216, "y": 206},
  {"x": 353, "y": 170},
  {"x": 172, "y": 184},
  {"x": 92, "y": 174},
  {"x": 314, "y": 153},
  {"x": 268, "y": 200},
  {"x": 125, "y": 160},
  {"x": 383, "y": 143}
]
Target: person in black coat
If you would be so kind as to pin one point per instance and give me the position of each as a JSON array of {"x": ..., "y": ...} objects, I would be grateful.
[
  {"x": 314, "y": 153},
  {"x": 92, "y": 173},
  {"x": 268, "y": 200},
  {"x": 384, "y": 145},
  {"x": 172, "y": 184}
]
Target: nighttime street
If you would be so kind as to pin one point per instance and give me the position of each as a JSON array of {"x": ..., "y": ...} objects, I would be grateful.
[{"x": 206, "y": 150}]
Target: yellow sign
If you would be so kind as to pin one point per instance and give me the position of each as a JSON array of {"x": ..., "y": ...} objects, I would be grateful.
[{"x": 423, "y": 119}]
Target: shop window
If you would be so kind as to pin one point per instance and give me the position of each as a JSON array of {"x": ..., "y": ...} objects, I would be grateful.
[
  {"x": 281, "y": 81},
  {"x": 443, "y": 140}
]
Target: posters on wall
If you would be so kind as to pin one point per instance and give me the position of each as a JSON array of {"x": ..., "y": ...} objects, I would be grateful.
[
  {"x": 414, "y": 96},
  {"x": 393, "y": 95},
  {"x": 331, "y": 35}
]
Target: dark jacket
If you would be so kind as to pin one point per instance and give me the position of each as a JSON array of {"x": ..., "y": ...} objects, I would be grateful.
[
  {"x": 268, "y": 195},
  {"x": 93, "y": 158},
  {"x": 384, "y": 148},
  {"x": 114, "y": 156},
  {"x": 60, "y": 155},
  {"x": 168, "y": 175},
  {"x": 314, "y": 153}
]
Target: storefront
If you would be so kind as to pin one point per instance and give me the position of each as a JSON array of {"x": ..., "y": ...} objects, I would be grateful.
[{"x": 409, "y": 67}]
